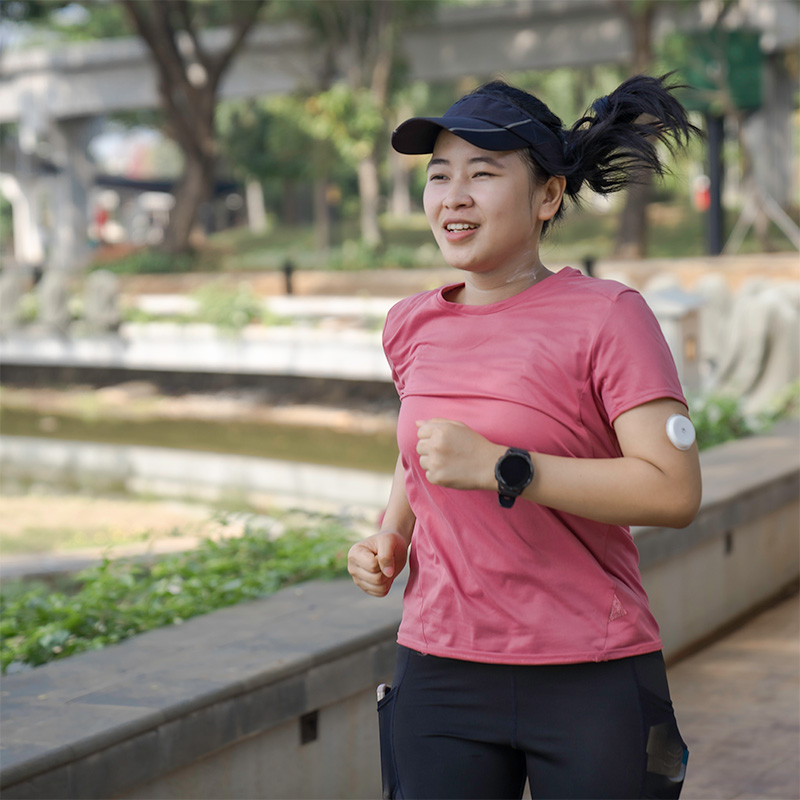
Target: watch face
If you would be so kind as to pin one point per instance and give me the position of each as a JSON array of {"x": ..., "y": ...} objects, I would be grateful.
[{"x": 515, "y": 470}]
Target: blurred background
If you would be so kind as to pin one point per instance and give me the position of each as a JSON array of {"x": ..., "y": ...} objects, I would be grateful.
[{"x": 202, "y": 226}]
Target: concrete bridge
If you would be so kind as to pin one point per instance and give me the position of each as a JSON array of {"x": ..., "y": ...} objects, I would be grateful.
[{"x": 56, "y": 96}]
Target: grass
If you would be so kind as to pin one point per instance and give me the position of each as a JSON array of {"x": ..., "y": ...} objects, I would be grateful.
[{"x": 676, "y": 230}]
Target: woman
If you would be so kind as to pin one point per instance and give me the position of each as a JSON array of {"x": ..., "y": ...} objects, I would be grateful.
[{"x": 538, "y": 421}]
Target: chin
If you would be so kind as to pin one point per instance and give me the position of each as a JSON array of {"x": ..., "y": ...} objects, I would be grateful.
[{"x": 463, "y": 264}]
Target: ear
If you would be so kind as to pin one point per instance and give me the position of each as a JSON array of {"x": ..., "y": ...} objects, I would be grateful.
[{"x": 552, "y": 194}]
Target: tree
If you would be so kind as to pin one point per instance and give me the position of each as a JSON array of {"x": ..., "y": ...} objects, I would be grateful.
[
  {"x": 189, "y": 72},
  {"x": 279, "y": 140},
  {"x": 360, "y": 38},
  {"x": 631, "y": 239},
  {"x": 189, "y": 76}
]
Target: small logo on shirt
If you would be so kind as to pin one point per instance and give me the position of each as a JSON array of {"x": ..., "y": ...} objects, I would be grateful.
[{"x": 617, "y": 609}]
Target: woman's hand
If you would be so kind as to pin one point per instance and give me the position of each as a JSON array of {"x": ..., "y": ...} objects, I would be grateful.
[
  {"x": 376, "y": 561},
  {"x": 455, "y": 456}
]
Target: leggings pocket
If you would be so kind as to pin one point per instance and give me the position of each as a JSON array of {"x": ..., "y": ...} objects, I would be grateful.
[
  {"x": 667, "y": 754},
  {"x": 386, "y": 711},
  {"x": 385, "y": 725}
]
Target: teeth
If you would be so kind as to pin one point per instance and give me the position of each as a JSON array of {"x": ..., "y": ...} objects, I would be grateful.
[{"x": 460, "y": 226}]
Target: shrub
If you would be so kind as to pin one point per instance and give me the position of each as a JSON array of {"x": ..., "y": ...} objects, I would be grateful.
[
  {"x": 148, "y": 262},
  {"x": 720, "y": 418},
  {"x": 122, "y": 597},
  {"x": 228, "y": 308}
]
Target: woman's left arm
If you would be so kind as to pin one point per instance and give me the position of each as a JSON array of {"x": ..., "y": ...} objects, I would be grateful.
[{"x": 652, "y": 483}]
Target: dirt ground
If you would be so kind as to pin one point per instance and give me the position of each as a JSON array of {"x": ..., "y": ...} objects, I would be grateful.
[{"x": 51, "y": 523}]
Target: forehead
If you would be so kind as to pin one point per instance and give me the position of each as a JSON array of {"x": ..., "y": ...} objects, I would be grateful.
[{"x": 451, "y": 147}]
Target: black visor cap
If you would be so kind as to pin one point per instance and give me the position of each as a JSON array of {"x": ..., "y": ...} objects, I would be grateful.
[{"x": 484, "y": 121}]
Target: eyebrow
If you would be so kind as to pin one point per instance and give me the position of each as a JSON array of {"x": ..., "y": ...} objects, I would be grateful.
[{"x": 434, "y": 162}]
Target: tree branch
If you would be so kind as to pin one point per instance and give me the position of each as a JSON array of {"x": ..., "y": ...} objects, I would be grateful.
[{"x": 217, "y": 66}]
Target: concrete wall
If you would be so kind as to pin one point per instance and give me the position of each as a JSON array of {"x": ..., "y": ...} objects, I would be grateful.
[{"x": 275, "y": 699}]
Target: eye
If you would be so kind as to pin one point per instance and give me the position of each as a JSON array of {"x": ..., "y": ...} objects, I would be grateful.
[
  {"x": 437, "y": 177},
  {"x": 483, "y": 175}
]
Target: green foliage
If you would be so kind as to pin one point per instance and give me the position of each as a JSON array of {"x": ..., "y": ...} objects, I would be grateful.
[
  {"x": 350, "y": 118},
  {"x": 720, "y": 418},
  {"x": 267, "y": 140},
  {"x": 6, "y": 223},
  {"x": 93, "y": 19},
  {"x": 120, "y": 597},
  {"x": 72, "y": 21},
  {"x": 142, "y": 262},
  {"x": 228, "y": 308}
]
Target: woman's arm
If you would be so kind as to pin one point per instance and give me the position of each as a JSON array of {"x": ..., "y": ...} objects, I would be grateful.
[
  {"x": 398, "y": 517},
  {"x": 376, "y": 561},
  {"x": 653, "y": 483}
]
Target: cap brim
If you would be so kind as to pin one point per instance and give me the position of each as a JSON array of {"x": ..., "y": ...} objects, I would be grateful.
[{"x": 418, "y": 135}]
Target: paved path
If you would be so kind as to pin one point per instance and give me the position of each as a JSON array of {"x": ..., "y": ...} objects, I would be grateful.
[{"x": 738, "y": 704}]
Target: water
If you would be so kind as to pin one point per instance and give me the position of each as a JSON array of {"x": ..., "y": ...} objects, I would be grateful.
[
  {"x": 232, "y": 465},
  {"x": 372, "y": 452}
]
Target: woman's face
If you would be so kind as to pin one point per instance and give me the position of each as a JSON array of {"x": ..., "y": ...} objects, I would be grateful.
[{"x": 482, "y": 208}]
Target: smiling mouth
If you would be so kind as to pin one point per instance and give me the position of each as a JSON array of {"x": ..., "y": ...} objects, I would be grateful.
[{"x": 455, "y": 227}]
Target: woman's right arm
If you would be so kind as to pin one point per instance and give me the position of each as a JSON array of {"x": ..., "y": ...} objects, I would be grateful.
[{"x": 376, "y": 561}]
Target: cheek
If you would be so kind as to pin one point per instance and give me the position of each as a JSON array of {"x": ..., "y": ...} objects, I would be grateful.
[{"x": 430, "y": 204}]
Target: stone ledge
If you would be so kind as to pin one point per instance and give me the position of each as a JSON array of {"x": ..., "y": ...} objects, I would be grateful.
[
  {"x": 228, "y": 674},
  {"x": 101, "y": 723},
  {"x": 742, "y": 481}
]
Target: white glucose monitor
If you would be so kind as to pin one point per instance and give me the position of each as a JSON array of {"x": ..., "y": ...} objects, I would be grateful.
[{"x": 680, "y": 431}]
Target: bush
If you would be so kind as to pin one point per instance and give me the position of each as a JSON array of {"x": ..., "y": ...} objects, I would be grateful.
[
  {"x": 719, "y": 418},
  {"x": 149, "y": 262},
  {"x": 228, "y": 308},
  {"x": 122, "y": 597}
]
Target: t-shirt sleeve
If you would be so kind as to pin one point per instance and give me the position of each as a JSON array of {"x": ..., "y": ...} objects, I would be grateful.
[
  {"x": 632, "y": 363},
  {"x": 391, "y": 334}
]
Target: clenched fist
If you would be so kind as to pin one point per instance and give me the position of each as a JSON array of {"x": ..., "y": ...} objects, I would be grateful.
[
  {"x": 455, "y": 456},
  {"x": 376, "y": 561}
]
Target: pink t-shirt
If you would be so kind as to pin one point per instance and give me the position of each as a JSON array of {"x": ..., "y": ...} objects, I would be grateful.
[{"x": 547, "y": 370}]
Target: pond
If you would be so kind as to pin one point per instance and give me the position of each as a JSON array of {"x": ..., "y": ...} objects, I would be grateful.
[
  {"x": 372, "y": 452},
  {"x": 49, "y": 462}
]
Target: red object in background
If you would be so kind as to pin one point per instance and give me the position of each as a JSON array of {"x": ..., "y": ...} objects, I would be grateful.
[{"x": 701, "y": 193}]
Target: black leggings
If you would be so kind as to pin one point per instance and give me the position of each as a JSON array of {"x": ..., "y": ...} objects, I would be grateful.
[{"x": 458, "y": 729}]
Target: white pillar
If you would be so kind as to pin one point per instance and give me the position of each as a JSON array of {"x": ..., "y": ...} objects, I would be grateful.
[
  {"x": 26, "y": 216},
  {"x": 69, "y": 206}
]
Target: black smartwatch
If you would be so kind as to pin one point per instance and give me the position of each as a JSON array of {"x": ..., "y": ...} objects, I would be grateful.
[{"x": 514, "y": 471}]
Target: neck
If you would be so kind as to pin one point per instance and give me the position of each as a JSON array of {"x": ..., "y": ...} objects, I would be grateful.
[{"x": 483, "y": 289}]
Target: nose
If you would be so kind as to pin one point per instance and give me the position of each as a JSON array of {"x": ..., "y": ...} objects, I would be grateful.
[{"x": 457, "y": 195}]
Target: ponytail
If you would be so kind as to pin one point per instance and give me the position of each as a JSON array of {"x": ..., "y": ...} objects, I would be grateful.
[{"x": 615, "y": 143}]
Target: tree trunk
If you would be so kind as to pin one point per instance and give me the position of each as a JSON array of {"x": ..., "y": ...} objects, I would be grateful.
[
  {"x": 195, "y": 187},
  {"x": 632, "y": 232},
  {"x": 322, "y": 216},
  {"x": 290, "y": 214},
  {"x": 369, "y": 192},
  {"x": 256, "y": 213},
  {"x": 631, "y": 241},
  {"x": 401, "y": 186},
  {"x": 188, "y": 79}
]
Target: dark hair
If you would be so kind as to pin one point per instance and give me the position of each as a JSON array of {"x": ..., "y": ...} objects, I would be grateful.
[{"x": 614, "y": 143}]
